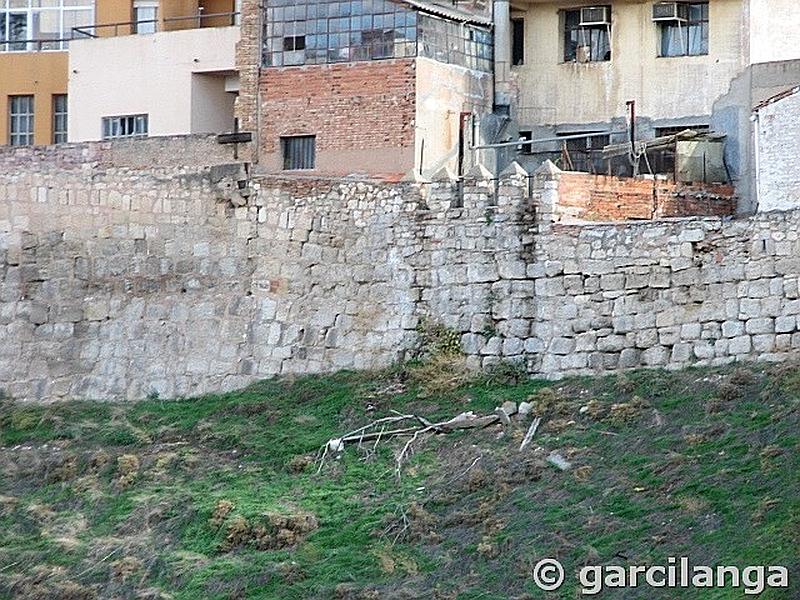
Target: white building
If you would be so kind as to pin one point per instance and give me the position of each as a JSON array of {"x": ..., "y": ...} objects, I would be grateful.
[{"x": 167, "y": 83}]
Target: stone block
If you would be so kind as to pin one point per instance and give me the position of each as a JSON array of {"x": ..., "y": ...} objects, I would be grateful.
[
  {"x": 786, "y": 324},
  {"x": 732, "y": 329},
  {"x": 655, "y": 356},
  {"x": 691, "y": 331},
  {"x": 764, "y": 343},
  {"x": 682, "y": 352},
  {"x": 761, "y": 325},
  {"x": 96, "y": 310},
  {"x": 740, "y": 345},
  {"x": 704, "y": 350},
  {"x": 630, "y": 358},
  {"x": 562, "y": 346}
]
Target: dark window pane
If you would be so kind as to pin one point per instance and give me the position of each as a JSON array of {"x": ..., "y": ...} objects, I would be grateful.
[{"x": 518, "y": 42}]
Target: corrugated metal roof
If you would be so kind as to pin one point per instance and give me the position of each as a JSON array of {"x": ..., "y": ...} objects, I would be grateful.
[
  {"x": 448, "y": 11},
  {"x": 777, "y": 98}
]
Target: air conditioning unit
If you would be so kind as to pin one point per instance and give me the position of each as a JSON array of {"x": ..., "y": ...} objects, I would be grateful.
[
  {"x": 595, "y": 15},
  {"x": 670, "y": 11}
]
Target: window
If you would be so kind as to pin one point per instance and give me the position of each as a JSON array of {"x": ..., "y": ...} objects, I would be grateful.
[
  {"x": 125, "y": 126},
  {"x": 145, "y": 17},
  {"x": 60, "y": 119},
  {"x": 686, "y": 38},
  {"x": 585, "y": 153},
  {"x": 527, "y": 149},
  {"x": 297, "y": 42},
  {"x": 33, "y": 25},
  {"x": 330, "y": 31},
  {"x": 517, "y": 42},
  {"x": 299, "y": 152},
  {"x": 586, "y": 42},
  {"x": 665, "y": 131},
  {"x": 455, "y": 44},
  {"x": 20, "y": 111},
  {"x": 327, "y": 31}
]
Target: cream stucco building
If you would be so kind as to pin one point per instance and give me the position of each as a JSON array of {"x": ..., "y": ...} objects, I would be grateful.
[
  {"x": 173, "y": 82},
  {"x": 575, "y": 67}
]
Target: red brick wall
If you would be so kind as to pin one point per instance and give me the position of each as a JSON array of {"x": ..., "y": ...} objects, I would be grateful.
[
  {"x": 601, "y": 198},
  {"x": 353, "y": 106}
]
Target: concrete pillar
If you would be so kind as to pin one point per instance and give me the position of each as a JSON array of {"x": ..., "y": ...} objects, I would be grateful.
[{"x": 502, "y": 52}]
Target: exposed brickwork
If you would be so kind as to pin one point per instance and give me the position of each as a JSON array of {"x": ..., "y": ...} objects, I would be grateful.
[
  {"x": 349, "y": 106},
  {"x": 248, "y": 62},
  {"x": 601, "y": 198},
  {"x": 698, "y": 199}
]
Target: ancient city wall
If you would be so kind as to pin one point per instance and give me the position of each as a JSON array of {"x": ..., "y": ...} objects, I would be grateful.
[{"x": 119, "y": 282}]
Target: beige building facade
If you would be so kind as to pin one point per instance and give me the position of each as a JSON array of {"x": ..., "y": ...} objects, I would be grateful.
[
  {"x": 566, "y": 92},
  {"x": 579, "y": 66},
  {"x": 174, "y": 82}
]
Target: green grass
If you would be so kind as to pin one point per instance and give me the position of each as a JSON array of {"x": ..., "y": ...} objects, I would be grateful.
[{"x": 699, "y": 463}]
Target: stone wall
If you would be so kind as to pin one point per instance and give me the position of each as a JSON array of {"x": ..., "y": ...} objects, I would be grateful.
[
  {"x": 120, "y": 282},
  {"x": 155, "y": 152}
]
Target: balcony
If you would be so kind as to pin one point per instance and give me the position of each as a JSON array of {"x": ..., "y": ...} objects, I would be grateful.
[
  {"x": 200, "y": 20},
  {"x": 18, "y": 39}
]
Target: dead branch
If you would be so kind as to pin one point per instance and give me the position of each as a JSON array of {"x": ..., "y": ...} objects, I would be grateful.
[
  {"x": 531, "y": 432},
  {"x": 377, "y": 431}
]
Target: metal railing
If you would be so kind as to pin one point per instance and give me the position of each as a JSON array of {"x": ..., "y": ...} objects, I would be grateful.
[
  {"x": 131, "y": 27},
  {"x": 200, "y": 20},
  {"x": 34, "y": 45}
]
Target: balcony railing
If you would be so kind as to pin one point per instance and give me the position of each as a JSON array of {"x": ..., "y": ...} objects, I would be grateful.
[
  {"x": 35, "y": 45},
  {"x": 156, "y": 25},
  {"x": 117, "y": 29}
]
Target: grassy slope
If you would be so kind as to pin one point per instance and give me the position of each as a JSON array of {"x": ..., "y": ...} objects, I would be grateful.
[{"x": 698, "y": 463}]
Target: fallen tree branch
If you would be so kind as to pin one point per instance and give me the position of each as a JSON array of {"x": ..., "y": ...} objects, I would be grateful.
[
  {"x": 531, "y": 432},
  {"x": 376, "y": 430}
]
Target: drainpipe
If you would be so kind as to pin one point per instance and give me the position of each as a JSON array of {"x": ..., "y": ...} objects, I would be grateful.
[
  {"x": 757, "y": 152},
  {"x": 502, "y": 51}
]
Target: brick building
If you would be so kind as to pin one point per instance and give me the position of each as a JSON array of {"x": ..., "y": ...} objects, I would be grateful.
[{"x": 386, "y": 88}]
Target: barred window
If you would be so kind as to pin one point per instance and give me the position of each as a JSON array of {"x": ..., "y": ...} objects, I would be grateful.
[
  {"x": 20, "y": 120},
  {"x": 59, "y": 118},
  {"x": 126, "y": 126},
  {"x": 299, "y": 152}
]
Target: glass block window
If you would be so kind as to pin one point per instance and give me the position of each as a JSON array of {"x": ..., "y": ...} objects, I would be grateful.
[
  {"x": 330, "y": 31},
  {"x": 20, "y": 114},
  {"x": 125, "y": 126},
  {"x": 60, "y": 119},
  {"x": 34, "y": 25}
]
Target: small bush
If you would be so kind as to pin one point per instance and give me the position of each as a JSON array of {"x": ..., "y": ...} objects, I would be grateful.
[{"x": 441, "y": 373}]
